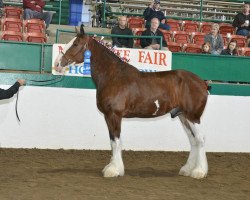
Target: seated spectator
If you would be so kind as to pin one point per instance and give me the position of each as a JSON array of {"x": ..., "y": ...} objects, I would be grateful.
[
  {"x": 215, "y": 40},
  {"x": 241, "y": 21},
  {"x": 6, "y": 94},
  {"x": 232, "y": 49},
  {"x": 153, "y": 11},
  {"x": 34, "y": 9},
  {"x": 206, "y": 48},
  {"x": 153, "y": 43},
  {"x": 248, "y": 41},
  {"x": 122, "y": 29}
]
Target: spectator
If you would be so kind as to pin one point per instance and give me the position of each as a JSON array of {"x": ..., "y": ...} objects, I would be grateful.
[
  {"x": 34, "y": 9},
  {"x": 206, "y": 48},
  {"x": 241, "y": 21},
  {"x": 153, "y": 43},
  {"x": 248, "y": 41},
  {"x": 6, "y": 94},
  {"x": 215, "y": 40},
  {"x": 153, "y": 11},
  {"x": 232, "y": 49},
  {"x": 121, "y": 29}
]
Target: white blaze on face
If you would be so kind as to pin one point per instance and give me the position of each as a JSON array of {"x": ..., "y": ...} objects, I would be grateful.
[
  {"x": 157, "y": 107},
  {"x": 59, "y": 57}
]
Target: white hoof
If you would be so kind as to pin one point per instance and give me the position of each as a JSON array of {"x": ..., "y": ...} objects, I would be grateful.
[
  {"x": 111, "y": 170},
  {"x": 185, "y": 170},
  {"x": 199, "y": 173}
]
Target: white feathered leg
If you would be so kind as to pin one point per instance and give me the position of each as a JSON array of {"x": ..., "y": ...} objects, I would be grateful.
[
  {"x": 115, "y": 167},
  {"x": 196, "y": 165}
]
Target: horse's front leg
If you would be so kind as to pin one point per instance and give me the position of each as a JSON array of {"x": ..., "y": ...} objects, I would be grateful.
[
  {"x": 115, "y": 167},
  {"x": 196, "y": 165}
]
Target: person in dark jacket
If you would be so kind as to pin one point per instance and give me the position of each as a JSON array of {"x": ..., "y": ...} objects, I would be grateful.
[
  {"x": 122, "y": 29},
  {"x": 153, "y": 43},
  {"x": 6, "y": 94},
  {"x": 241, "y": 21},
  {"x": 231, "y": 50},
  {"x": 153, "y": 11}
]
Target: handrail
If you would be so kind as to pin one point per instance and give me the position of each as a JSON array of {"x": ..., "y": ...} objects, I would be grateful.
[{"x": 58, "y": 31}]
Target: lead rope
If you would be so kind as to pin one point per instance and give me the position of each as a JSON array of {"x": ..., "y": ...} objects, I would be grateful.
[{"x": 59, "y": 78}]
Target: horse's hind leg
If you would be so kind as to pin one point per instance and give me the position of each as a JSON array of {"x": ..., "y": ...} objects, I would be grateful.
[
  {"x": 196, "y": 165},
  {"x": 115, "y": 167}
]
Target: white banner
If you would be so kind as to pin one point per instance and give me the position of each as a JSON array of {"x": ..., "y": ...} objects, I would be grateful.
[{"x": 144, "y": 60}]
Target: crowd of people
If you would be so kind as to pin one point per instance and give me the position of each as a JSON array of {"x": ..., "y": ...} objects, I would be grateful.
[{"x": 155, "y": 20}]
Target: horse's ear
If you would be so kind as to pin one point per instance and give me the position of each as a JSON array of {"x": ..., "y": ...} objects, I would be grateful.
[{"x": 82, "y": 29}]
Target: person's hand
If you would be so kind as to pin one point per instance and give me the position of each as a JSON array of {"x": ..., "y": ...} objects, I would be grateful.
[
  {"x": 38, "y": 6},
  {"x": 33, "y": 2},
  {"x": 21, "y": 82},
  {"x": 155, "y": 46},
  {"x": 245, "y": 25}
]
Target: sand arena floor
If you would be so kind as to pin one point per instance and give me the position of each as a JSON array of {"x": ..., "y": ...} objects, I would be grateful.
[{"x": 71, "y": 175}]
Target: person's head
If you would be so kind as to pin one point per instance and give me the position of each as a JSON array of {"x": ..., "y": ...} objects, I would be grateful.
[
  {"x": 246, "y": 8},
  {"x": 232, "y": 47},
  {"x": 215, "y": 29},
  {"x": 156, "y": 4},
  {"x": 248, "y": 40},
  {"x": 206, "y": 47},
  {"x": 154, "y": 24},
  {"x": 122, "y": 20}
]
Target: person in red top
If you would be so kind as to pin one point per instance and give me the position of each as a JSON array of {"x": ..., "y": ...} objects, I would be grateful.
[{"x": 34, "y": 9}]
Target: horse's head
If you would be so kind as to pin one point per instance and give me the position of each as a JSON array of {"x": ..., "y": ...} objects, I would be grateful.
[{"x": 73, "y": 51}]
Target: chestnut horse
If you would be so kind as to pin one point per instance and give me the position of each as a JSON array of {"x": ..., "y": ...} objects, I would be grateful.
[{"x": 125, "y": 92}]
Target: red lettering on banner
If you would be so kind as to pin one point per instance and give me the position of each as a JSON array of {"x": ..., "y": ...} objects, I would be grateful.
[
  {"x": 60, "y": 49},
  {"x": 126, "y": 54},
  {"x": 148, "y": 57},
  {"x": 162, "y": 59},
  {"x": 156, "y": 56},
  {"x": 141, "y": 56}
]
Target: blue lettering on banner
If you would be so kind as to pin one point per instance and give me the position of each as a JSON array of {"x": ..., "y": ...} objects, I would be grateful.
[{"x": 86, "y": 65}]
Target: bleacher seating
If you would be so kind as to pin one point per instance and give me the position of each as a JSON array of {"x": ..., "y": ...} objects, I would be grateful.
[
  {"x": 181, "y": 37},
  {"x": 138, "y": 32},
  {"x": 12, "y": 36},
  {"x": 35, "y": 37},
  {"x": 13, "y": 12},
  {"x": 197, "y": 38},
  {"x": 245, "y": 51},
  {"x": 192, "y": 48},
  {"x": 174, "y": 47},
  {"x": 190, "y": 26},
  {"x": 34, "y": 25},
  {"x": 14, "y": 28},
  {"x": 136, "y": 22},
  {"x": 241, "y": 40},
  {"x": 175, "y": 25},
  {"x": 205, "y": 27},
  {"x": 168, "y": 35},
  {"x": 226, "y": 28},
  {"x": 12, "y": 24}
]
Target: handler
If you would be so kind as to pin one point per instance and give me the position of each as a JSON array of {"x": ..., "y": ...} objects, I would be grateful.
[{"x": 6, "y": 94}]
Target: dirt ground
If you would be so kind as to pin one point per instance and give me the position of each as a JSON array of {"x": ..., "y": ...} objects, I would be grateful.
[{"x": 71, "y": 175}]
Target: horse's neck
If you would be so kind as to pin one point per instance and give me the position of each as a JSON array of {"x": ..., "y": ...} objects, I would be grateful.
[{"x": 102, "y": 67}]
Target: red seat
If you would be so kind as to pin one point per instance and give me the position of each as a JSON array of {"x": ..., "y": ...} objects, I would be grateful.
[
  {"x": 168, "y": 35},
  {"x": 138, "y": 32},
  {"x": 12, "y": 24},
  {"x": 192, "y": 48},
  {"x": 181, "y": 37},
  {"x": 35, "y": 37},
  {"x": 175, "y": 25},
  {"x": 174, "y": 47},
  {"x": 245, "y": 51},
  {"x": 198, "y": 38},
  {"x": 226, "y": 28},
  {"x": 190, "y": 26},
  {"x": 225, "y": 39},
  {"x": 12, "y": 36},
  {"x": 34, "y": 25},
  {"x": 205, "y": 27},
  {"x": 13, "y": 12},
  {"x": 241, "y": 40},
  {"x": 136, "y": 22}
]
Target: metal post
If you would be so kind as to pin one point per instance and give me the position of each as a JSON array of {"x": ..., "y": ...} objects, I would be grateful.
[
  {"x": 60, "y": 12},
  {"x": 201, "y": 7},
  {"x": 104, "y": 14}
]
